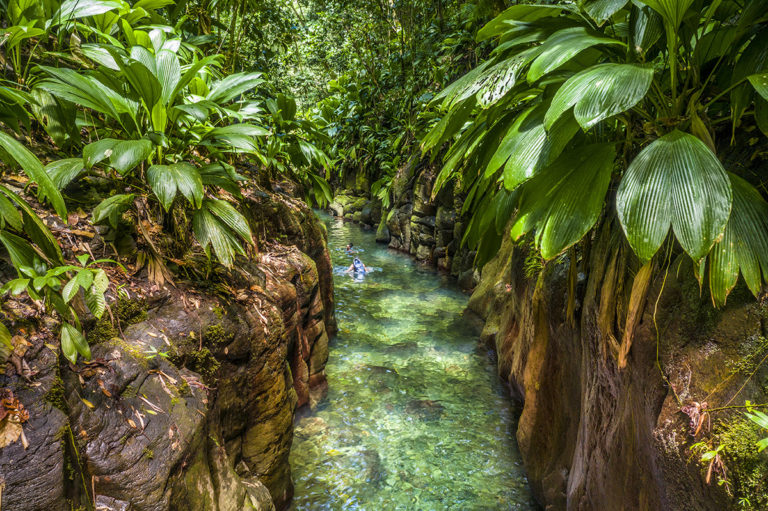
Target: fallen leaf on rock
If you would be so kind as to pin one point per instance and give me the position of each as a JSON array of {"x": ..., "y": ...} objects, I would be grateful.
[
  {"x": 10, "y": 431},
  {"x": 12, "y": 416}
]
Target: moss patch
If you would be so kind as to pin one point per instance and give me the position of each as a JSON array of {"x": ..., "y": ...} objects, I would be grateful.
[
  {"x": 747, "y": 468},
  {"x": 200, "y": 361},
  {"x": 129, "y": 311},
  {"x": 102, "y": 331},
  {"x": 217, "y": 335},
  {"x": 55, "y": 396}
]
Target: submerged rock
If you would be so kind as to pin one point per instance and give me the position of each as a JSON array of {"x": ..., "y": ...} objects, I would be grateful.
[{"x": 425, "y": 409}]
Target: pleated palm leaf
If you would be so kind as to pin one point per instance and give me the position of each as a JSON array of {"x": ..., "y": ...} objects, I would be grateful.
[{"x": 579, "y": 99}]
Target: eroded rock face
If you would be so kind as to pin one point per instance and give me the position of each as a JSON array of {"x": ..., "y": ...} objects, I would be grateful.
[
  {"x": 594, "y": 436},
  {"x": 426, "y": 227},
  {"x": 192, "y": 407}
]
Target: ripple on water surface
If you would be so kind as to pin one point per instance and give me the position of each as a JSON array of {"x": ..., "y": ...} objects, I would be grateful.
[{"x": 415, "y": 418}]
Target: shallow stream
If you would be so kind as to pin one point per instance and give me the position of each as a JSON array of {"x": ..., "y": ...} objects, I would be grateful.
[{"x": 415, "y": 418}]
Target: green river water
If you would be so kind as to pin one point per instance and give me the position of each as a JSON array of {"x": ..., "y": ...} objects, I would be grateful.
[{"x": 415, "y": 418}]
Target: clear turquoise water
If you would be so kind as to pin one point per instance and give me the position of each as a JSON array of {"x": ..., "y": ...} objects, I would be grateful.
[{"x": 415, "y": 418}]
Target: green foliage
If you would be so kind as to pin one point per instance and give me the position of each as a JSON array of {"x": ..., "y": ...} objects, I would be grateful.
[
  {"x": 651, "y": 80},
  {"x": 745, "y": 463},
  {"x": 134, "y": 96}
]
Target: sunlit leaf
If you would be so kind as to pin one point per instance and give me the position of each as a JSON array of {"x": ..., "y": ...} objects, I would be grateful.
[
  {"x": 564, "y": 200},
  {"x": 674, "y": 182},
  {"x": 744, "y": 246},
  {"x": 167, "y": 180},
  {"x": 561, "y": 47},
  {"x": 600, "y": 92},
  {"x": 527, "y": 147}
]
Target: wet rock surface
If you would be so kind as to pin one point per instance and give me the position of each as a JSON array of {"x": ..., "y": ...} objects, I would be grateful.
[{"x": 191, "y": 405}]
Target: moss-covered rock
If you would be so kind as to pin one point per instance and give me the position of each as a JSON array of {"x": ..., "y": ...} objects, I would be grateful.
[{"x": 747, "y": 469}]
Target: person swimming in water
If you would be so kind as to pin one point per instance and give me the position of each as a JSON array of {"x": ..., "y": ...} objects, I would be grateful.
[
  {"x": 350, "y": 248},
  {"x": 357, "y": 266}
]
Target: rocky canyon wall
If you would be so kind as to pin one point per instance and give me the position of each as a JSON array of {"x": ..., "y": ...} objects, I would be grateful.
[
  {"x": 594, "y": 436},
  {"x": 189, "y": 400}
]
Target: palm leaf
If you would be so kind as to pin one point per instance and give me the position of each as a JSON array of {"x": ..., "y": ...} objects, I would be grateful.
[
  {"x": 564, "y": 200},
  {"x": 527, "y": 147},
  {"x": 600, "y": 92},
  {"x": 46, "y": 189},
  {"x": 167, "y": 180},
  {"x": 63, "y": 172},
  {"x": 561, "y": 47},
  {"x": 744, "y": 246},
  {"x": 212, "y": 231},
  {"x": 234, "y": 85},
  {"x": 676, "y": 181},
  {"x": 601, "y": 10}
]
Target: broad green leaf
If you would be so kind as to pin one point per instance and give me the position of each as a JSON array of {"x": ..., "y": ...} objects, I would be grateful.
[
  {"x": 15, "y": 286},
  {"x": 601, "y": 10},
  {"x": 245, "y": 129},
  {"x": 9, "y": 214},
  {"x": 449, "y": 125},
  {"x": 459, "y": 86},
  {"x": 75, "y": 9},
  {"x": 234, "y": 85},
  {"x": 168, "y": 74},
  {"x": 127, "y": 154},
  {"x": 143, "y": 81},
  {"x": 501, "y": 78},
  {"x": 518, "y": 14},
  {"x": 191, "y": 72},
  {"x": 70, "y": 289},
  {"x": 744, "y": 246},
  {"x": 34, "y": 227},
  {"x": 600, "y": 92},
  {"x": 46, "y": 189},
  {"x": 73, "y": 342},
  {"x": 79, "y": 89},
  {"x": 98, "y": 151},
  {"x": 63, "y": 172},
  {"x": 561, "y": 47},
  {"x": 676, "y": 181},
  {"x": 217, "y": 174},
  {"x": 211, "y": 231},
  {"x": 112, "y": 208},
  {"x": 672, "y": 11},
  {"x": 57, "y": 117},
  {"x": 527, "y": 147},
  {"x": 167, "y": 180},
  {"x": 646, "y": 27},
  {"x": 95, "y": 301},
  {"x": 760, "y": 83},
  {"x": 100, "y": 281},
  {"x": 564, "y": 200},
  {"x": 101, "y": 55},
  {"x": 19, "y": 250},
  {"x": 231, "y": 217}
]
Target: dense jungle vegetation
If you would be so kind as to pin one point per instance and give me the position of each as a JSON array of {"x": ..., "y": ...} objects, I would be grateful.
[{"x": 557, "y": 122}]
